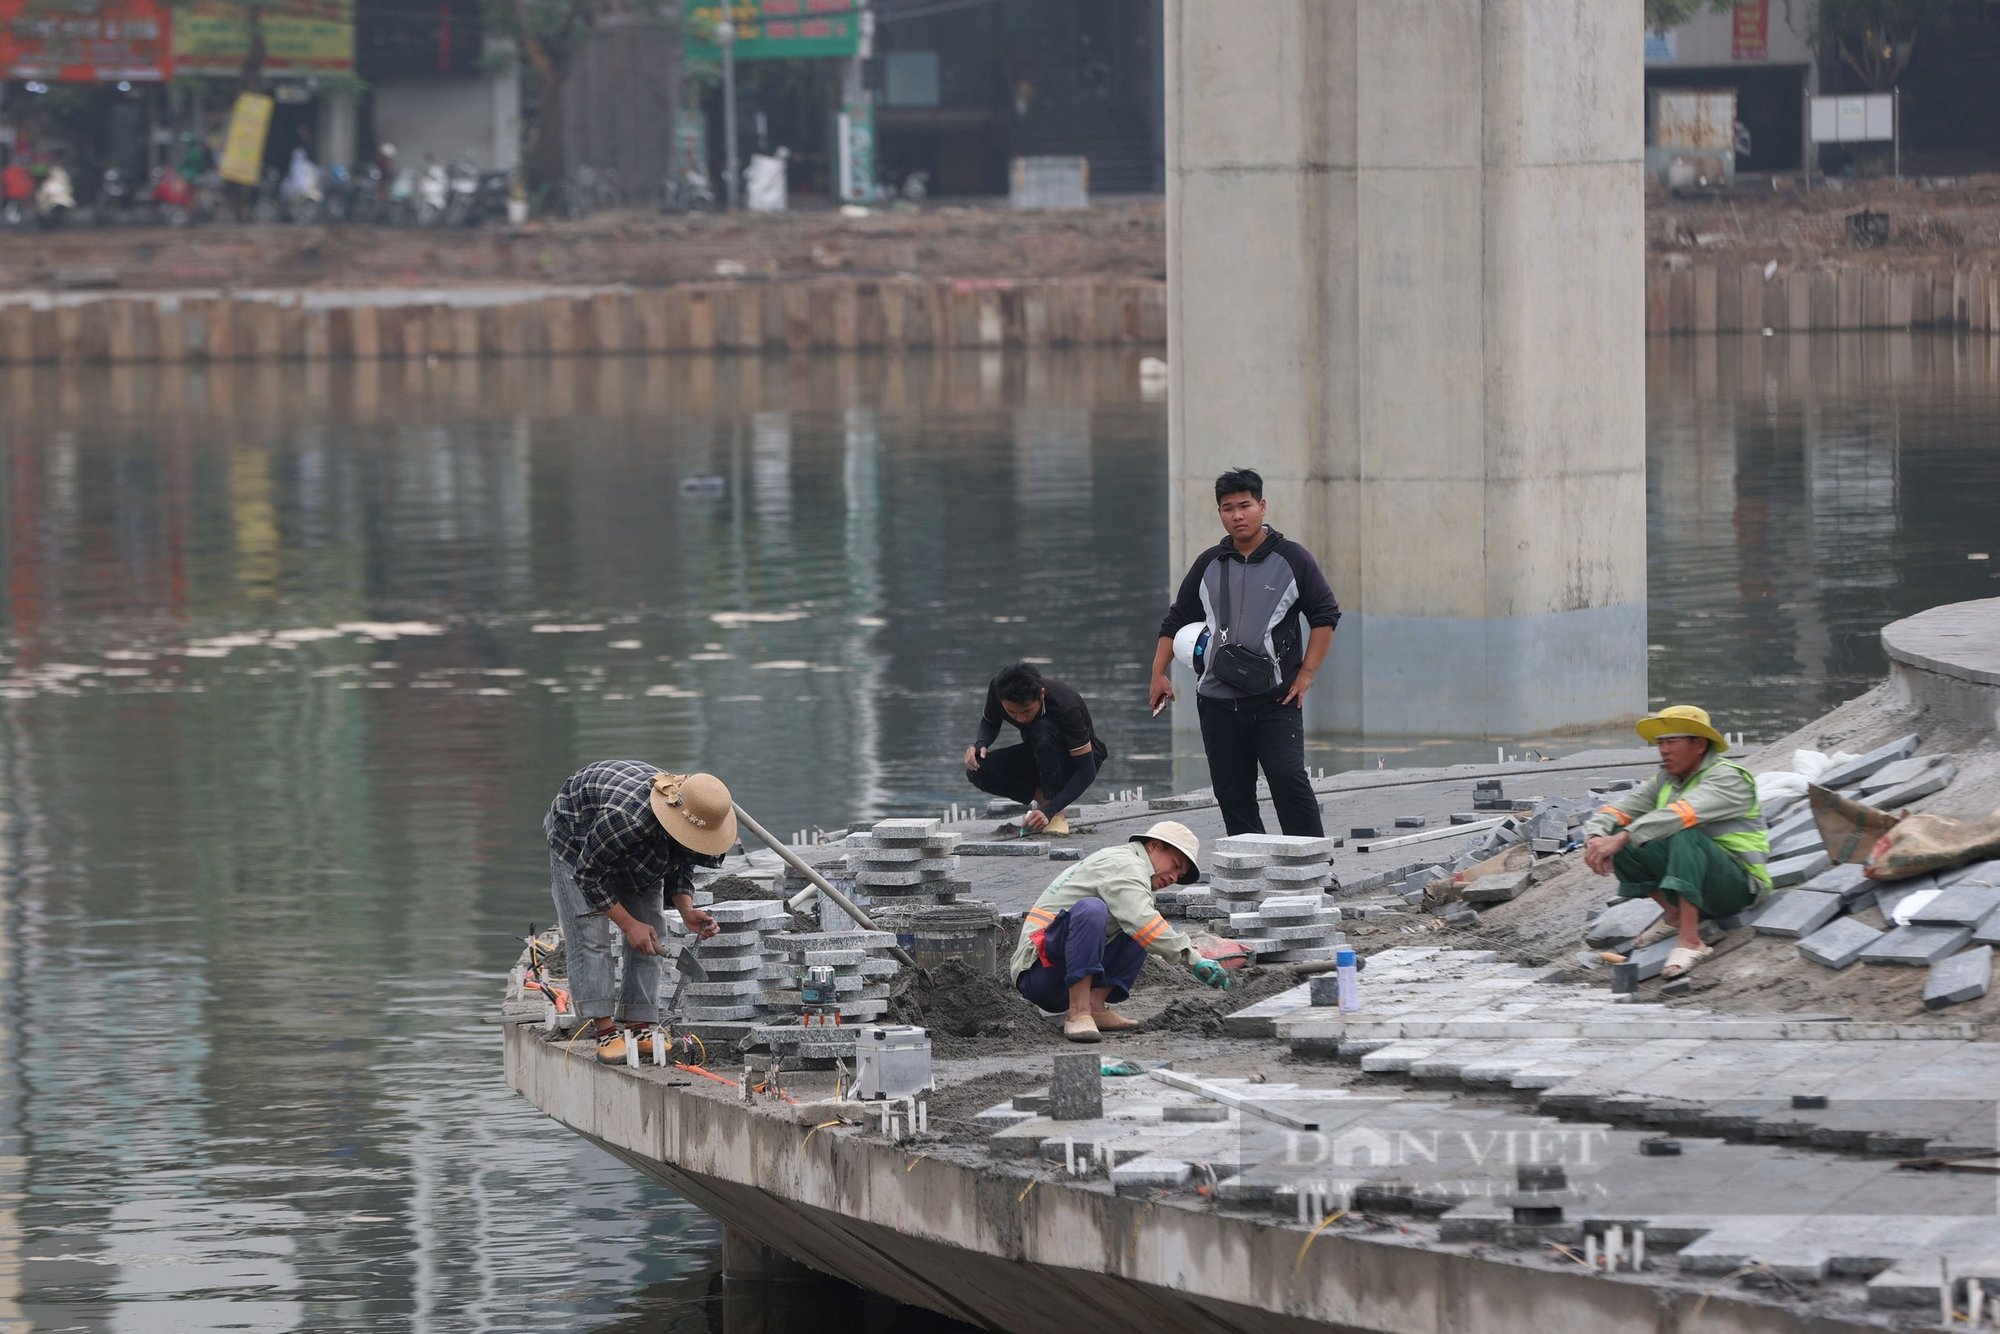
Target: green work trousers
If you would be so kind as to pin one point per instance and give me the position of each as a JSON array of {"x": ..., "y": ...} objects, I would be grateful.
[{"x": 1688, "y": 866}]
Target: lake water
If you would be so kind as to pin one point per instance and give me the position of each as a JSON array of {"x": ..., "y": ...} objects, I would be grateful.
[{"x": 295, "y": 657}]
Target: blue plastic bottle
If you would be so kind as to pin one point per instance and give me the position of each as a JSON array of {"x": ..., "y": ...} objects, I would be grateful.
[{"x": 1350, "y": 979}]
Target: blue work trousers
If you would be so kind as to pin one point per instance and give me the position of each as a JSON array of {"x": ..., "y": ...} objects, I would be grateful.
[{"x": 1075, "y": 948}]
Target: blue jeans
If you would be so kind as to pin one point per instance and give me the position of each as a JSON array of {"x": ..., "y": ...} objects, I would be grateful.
[
  {"x": 594, "y": 948},
  {"x": 1076, "y": 949}
]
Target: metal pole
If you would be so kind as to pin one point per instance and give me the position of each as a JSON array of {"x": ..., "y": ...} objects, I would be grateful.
[
  {"x": 793, "y": 860},
  {"x": 1896, "y": 129},
  {"x": 726, "y": 34}
]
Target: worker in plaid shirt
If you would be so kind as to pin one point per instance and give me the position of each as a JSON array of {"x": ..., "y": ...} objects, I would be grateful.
[{"x": 624, "y": 839}]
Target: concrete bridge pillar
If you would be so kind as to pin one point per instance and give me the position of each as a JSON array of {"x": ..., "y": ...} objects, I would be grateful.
[{"x": 1406, "y": 269}]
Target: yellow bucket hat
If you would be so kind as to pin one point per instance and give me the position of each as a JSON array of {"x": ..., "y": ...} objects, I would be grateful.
[{"x": 1682, "y": 720}]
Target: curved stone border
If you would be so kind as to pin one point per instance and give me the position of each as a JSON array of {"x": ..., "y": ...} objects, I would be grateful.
[{"x": 1948, "y": 658}]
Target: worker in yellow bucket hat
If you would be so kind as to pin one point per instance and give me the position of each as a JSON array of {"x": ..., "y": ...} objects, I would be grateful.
[{"x": 1692, "y": 838}]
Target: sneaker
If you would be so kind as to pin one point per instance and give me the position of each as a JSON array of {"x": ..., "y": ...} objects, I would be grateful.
[{"x": 611, "y": 1046}]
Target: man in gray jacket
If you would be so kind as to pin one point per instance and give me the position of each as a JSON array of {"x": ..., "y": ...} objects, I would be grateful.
[{"x": 1273, "y": 582}]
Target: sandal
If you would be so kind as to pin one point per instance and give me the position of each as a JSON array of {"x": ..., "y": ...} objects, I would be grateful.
[{"x": 1681, "y": 961}]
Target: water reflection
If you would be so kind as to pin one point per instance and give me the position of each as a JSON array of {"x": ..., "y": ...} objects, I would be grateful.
[
  {"x": 294, "y": 657},
  {"x": 1803, "y": 491}
]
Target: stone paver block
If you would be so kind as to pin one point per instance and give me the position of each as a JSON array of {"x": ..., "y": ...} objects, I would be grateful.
[
  {"x": 1917, "y": 946},
  {"x": 906, "y": 830},
  {"x": 1621, "y": 922},
  {"x": 1797, "y": 912},
  {"x": 1503, "y": 887},
  {"x": 1076, "y": 1087},
  {"x": 1897, "y": 774},
  {"x": 1839, "y": 943},
  {"x": 1936, "y": 780},
  {"x": 1961, "y": 905},
  {"x": 1962, "y": 977},
  {"x": 887, "y": 857},
  {"x": 1300, "y": 872},
  {"x": 1147, "y": 1174},
  {"x": 1004, "y": 848},
  {"x": 740, "y": 911},
  {"x": 1847, "y": 775},
  {"x": 1292, "y": 907},
  {"x": 1849, "y": 880},
  {"x": 1974, "y": 873},
  {"x": 1797, "y": 870},
  {"x": 1891, "y": 895},
  {"x": 1279, "y": 846},
  {"x": 1988, "y": 931}
]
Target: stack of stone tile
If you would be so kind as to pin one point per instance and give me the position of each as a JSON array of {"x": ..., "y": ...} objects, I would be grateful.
[
  {"x": 1194, "y": 903},
  {"x": 862, "y": 967},
  {"x": 1273, "y": 887},
  {"x": 905, "y": 864},
  {"x": 733, "y": 992}
]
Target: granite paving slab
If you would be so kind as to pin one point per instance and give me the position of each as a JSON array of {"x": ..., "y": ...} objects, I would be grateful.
[
  {"x": 1936, "y": 780},
  {"x": 1839, "y": 943},
  {"x": 1851, "y": 773},
  {"x": 1960, "y": 978},
  {"x": 1960, "y": 905},
  {"x": 1917, "y": 946},
  {"x": 1796, "y": 912}
]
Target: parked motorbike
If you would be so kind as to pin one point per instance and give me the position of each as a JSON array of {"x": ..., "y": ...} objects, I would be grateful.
[
  {"x": 302, "y": 190},
  {"x": 17, "y": 196},
  {"x": 172, "y": 197},
  {"x": 117, "y": 199},
  {"x": 461, "y": 205},
  {"x": 686, "y": 192},
  {"x": 338, "y": 199},
  {"x": 402, "y": 204},
  {"x": 55, "y": 198},
  {"x": 433, "y": 196}
]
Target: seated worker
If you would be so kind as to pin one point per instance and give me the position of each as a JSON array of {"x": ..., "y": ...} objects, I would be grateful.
[
  {"x": 624, "y": 839},
  {"x": 1059, "y": 754},
  {"x": 1691, "y": 838},
  {"x": 1083, "y": 943}
]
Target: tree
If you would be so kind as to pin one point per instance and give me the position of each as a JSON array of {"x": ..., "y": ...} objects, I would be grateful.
[
  {"x": 1874, "y": 38},
  {"x": 1664, "y": 14},
  {"x": 550, "y": 34}
]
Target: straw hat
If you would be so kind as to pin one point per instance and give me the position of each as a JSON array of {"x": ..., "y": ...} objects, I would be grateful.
[
  {"x": 1682, "y": 720},
  {"x": 696, "y": 812},
  {"x": 1182, "y": 840}
]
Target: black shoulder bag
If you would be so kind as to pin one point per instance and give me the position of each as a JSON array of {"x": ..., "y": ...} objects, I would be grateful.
[{"x": 1239, "y": 666}]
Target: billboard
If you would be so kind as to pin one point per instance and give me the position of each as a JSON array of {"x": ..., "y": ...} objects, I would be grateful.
[
  {"x": 776, "y": 29},
  {"x": 84, "y": 41},
  {"x": 1750, "y": 30},
  {"x": 301, "y": 37}
]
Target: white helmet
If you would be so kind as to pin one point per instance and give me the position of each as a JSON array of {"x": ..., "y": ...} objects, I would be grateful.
[{"x": 1191, "y": 647}]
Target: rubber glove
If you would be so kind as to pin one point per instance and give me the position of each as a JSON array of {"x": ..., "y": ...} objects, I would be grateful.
[{"x": 1211, "y": 974}]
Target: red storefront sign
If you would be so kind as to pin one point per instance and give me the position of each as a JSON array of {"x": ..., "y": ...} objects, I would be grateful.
[
  {"x": 1750, "y": 35},
  {"x": 85, "y": 41}
]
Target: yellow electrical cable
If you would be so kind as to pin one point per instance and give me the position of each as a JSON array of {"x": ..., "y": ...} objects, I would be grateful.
[{"x": 1313, "y": 1236}]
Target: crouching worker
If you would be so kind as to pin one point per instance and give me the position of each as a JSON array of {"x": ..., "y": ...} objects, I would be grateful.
[
  {"x": 1692, "y": 838},
  {"x": 1083, "y": 943},
  {"x": 624, "y": 839}
]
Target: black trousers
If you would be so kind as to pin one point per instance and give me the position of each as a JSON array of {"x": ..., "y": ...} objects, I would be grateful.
[
  {"x": 1040, "y": 761},
  {"x": 1240, "y": 737}
]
